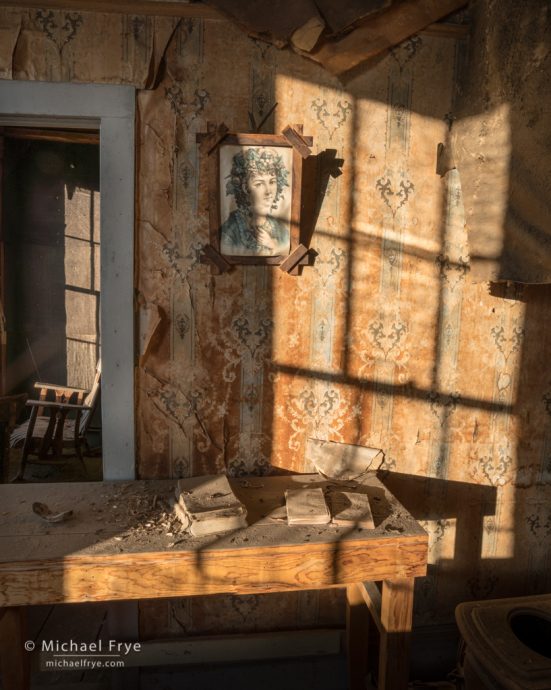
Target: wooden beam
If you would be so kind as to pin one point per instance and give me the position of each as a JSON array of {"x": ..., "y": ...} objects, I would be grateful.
[
  {"x": 131, "y": 576},
  {"x": 382, "y": 32},
  {"x": 195, "y": 10},
  {"x": 185, "y": 10},
  {"x": 372, "y": 597},
  {"x": 447, "y": 30},
  {"x": 63, "y": 136}
]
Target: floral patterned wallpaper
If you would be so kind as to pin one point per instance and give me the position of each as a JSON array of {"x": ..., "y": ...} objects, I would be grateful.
[{"x": 384, "y": 341}]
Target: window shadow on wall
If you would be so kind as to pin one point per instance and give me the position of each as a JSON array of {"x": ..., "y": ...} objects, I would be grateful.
[
  {"x": 509, "y": 457},
  {"x": 483, "y": 509}
]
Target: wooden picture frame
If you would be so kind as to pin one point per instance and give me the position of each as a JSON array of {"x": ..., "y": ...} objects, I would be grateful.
[{"x": 255, "y": 185}]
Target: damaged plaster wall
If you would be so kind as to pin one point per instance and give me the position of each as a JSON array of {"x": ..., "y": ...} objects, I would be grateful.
[
  {"x": 502, "y": 143},
  {"x": 383, "y": 342}
]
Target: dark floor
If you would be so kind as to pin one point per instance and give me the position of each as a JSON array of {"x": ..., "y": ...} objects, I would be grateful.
[
  {"x": 89, "y": 623},
  {"x": 319, "y": 674},
  {"x": 71, "y": 471},
  {"x": 325, "y": 673}
]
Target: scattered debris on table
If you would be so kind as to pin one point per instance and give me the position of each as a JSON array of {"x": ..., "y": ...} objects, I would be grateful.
[
  {"x": 130, "y": 516},
  {"x": 42, "y": 510}
]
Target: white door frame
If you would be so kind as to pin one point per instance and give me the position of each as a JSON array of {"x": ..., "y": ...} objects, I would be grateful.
[{"x": 111, "y": 109}]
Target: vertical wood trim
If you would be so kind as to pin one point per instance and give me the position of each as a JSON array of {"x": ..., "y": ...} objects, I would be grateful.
[
  {"x": 117, "y": 296},
  {"x": 296, "y": 206},
  {"x": 3, "y": 322},
  {"x": 214, "y": 198},
  {"x": 396, "y": 619}
]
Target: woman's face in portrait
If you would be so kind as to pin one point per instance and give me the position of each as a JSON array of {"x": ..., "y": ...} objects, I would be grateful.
[{"x": 262, "y": 189}]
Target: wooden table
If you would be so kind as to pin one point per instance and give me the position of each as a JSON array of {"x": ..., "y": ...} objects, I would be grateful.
[{"x": 116, "y": 547}]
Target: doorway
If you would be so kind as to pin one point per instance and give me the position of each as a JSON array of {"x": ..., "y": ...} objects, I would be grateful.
[
  {"x": 50, "y": 236},
  {"x": 50, "y": 275},
  {"x": 110, "y": 110}
]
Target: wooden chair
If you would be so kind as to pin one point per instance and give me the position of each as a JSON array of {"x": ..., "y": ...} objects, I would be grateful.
[{"x": 50, "y": 431}]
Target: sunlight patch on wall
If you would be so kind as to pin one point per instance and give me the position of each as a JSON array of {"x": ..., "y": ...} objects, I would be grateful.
[
  {"x": 483, "y": 146},
  {"x": 82, "y": 284},
  {"x": 504, "y": 529}
]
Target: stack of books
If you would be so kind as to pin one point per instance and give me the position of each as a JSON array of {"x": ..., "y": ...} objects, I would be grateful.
[{"x": 207, "y": 505}]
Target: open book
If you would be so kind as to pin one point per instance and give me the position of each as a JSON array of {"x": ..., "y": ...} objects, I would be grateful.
[
  {"x": 351, "y": 509},
  {"x": 207, "y": 505}
]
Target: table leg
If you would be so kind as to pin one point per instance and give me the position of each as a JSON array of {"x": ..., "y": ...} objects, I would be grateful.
[
  {"x": 123, "y": 626},
  {"x": 396, "y": 618},
  {"x": 357, "y": 630},
  {"x": 14, "y": 659}
]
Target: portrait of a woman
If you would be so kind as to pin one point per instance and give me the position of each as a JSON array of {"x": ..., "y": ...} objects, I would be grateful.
[{"x": 255, "y": 186}]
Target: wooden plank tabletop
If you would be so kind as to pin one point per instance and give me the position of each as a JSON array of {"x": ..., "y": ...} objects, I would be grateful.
[{"x": 123, "y": 543}]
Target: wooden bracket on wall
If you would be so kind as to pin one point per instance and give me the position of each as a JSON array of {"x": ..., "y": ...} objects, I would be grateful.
[
  {"x": 213, "y": 256},
  {"x": 294, "y": 260},
  {"x": 209, "y": 141},
  {"x": 298, "y": 257},
  {"x": 297, "y": 141},
  {"x": 257, "y": 127}
]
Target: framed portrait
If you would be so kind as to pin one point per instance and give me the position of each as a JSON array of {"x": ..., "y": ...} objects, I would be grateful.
[{"x": 254, "y": 197}]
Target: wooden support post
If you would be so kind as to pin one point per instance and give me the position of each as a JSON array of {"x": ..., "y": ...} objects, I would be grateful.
[
  {"x": 123, "y": 626},
  {"x": 357, "y": 628},
  {"x": 14, "y": 659},
  {"x": 396, "y": 618}
]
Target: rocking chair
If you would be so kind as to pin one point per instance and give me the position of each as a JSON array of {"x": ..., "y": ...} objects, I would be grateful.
[{"x": 49, "y": 430}]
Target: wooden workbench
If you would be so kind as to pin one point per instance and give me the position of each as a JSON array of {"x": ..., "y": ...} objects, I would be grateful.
[{"x": 123, "y": 543}]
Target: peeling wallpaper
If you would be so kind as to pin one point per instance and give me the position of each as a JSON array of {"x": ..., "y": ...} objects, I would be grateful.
[{"x": 383, "y": 342}]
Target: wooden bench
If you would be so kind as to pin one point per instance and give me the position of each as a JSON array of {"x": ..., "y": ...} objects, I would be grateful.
[{"x": 115, "y": 547}]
